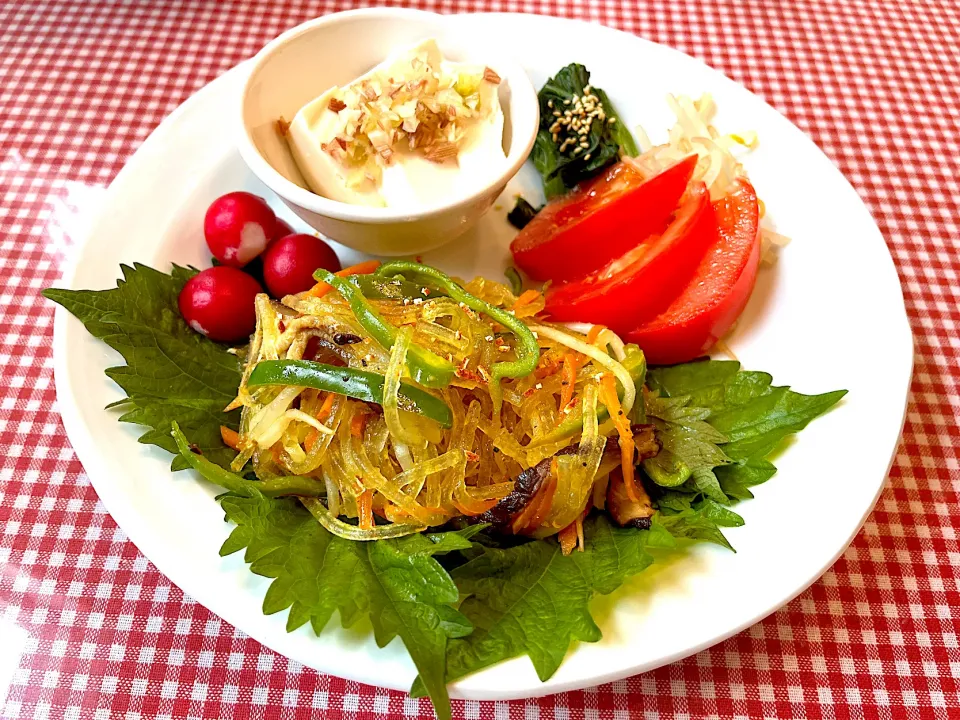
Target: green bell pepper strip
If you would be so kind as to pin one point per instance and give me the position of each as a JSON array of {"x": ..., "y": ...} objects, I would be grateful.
[
  {"x": 426, "y": 368},
  {"x": 528, "y": 352},
  {"x": 358, "y": 384},
  {"x": 635, "y": 364},
  {"x": 299, "y": 485},
  {"x": 667, "y": 470},
  {"x": 376, "y": 288}
]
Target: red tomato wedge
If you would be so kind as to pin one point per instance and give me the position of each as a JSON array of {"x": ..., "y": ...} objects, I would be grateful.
[
  {"x": 641, "y": 283},
  {"x": 716, "y": 295},
  {"x": 599, "y": 221}
]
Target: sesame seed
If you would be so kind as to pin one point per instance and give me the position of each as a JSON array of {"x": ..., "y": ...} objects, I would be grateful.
[
  {"x": 417, "y": 301},
  {"x": 489, "y": 338},
  {"x": 577, "y": 150},
  {"x": 567, "y": 101},
  {"x": 584, "y": 144},
  {"x": 549, "y": 103},
  {"x": 587, "y": 156},
  {"x": 612, "y": 121},
  {"x": 539, "y": 386},
  {"x": 557, "y": 113},
  {"x": 588, "y": 89}
]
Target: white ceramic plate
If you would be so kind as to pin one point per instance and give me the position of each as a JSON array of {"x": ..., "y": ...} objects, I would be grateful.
[{"x": 829, "y": 315}]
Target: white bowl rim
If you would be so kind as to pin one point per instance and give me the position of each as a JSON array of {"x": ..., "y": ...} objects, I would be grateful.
[{"x": 335, "y": 209}]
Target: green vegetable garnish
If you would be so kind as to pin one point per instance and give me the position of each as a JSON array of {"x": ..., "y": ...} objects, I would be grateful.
[
  {"x": 528, "y": 350},
  {"x": 376, "y": 288},
  {"x": 398, "y": 584},
  {"x": 526, "y": 599},
  {"x": 561, "y": 154},
  {"x": 172, "y": 373},
  {"x": 425, "y": 367},
  {"x": 513, "y": 277},
  {"x": 522, "y": 213},
  {"x": 358, "y": 384}
]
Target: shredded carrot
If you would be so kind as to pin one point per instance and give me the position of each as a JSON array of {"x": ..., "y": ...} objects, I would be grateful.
[
  {"x": 324, "y": 412},
  {"x": 276, "y": 451},
  {"x": 472, "y": 507},
  {"x": 568, "y": 538},
  {"x": 594, "y": 334},
  {"x": 311, "y": 439},
  {"x": 608, "y": 395},
  {"x": 357, "y": 424},
  {"x": 365, "y": 509},
  {"x": 364, "y": 268},
  {"x": 527, "y": 297},
  {"x": 230, "y": 437}
]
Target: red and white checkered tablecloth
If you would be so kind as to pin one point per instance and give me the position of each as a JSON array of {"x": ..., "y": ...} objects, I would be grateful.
[{"x": 89, "y": 629}]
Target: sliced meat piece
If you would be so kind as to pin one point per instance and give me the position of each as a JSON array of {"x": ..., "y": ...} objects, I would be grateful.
[
  {"x": 528, "y": 483},
  {"x": 624, "y": 511}
]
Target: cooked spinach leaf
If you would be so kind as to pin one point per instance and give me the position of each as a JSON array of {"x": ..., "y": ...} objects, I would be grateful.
[{"x": 564, "y": 155}]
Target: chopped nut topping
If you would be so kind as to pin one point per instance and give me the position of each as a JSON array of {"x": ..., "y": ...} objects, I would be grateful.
[
  {"x": 420, "y": 104},
  {"x": 491, "y": 76},
  {"x": 440, "y": 151}
]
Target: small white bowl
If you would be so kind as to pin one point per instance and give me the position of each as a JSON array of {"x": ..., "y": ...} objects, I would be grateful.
[{"x": 332, "y": 50}]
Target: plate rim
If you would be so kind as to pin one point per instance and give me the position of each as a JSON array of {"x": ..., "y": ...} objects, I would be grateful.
[{"x": 113, "y": 500}]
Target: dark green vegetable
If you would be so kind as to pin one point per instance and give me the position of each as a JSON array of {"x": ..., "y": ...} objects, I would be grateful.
[
  {"x": 211, "y": 471},
  {"x": 425, "y": 367},
  {"x": 172, "y": 373},
  {"x": 528, "y": 350},
  {"x": 523, "y": 598},
  {"x": 522, "y": 213},
  {"x": 562, "y": 170},
  {"x": 376, "y": 288},
  {"x": 358, "y": 384},
  {"x": 513, "y": 277},
  {"x": 299, "y": 485},
  {"x": 398, "y": 584},
  {"x": 273, "y": 488}
]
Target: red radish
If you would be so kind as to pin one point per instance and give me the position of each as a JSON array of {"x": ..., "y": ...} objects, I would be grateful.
[
  {"x": 238, "y": 227},
  {"x": 288, "y": 263},
  {"x": 218, "y": 303},
  {"x": 281, "y": 229}
]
